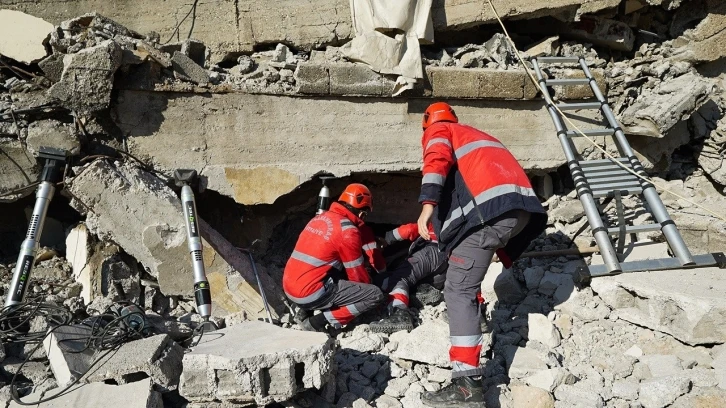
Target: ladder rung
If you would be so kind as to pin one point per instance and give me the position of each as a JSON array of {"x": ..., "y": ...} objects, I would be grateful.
[
  {"x": 617, "y": 185},
  {"x": 623, "y": 177},
  {"x": 591, "y": 132},
  {"x": 635, "y": 229},
  {"x": 599, "y": 172},
  {"x": 600, "y": 162},
  {"x": 578, "y": 106},
  {"x": 567, "y": 81},
  {"x": 553, "y": 60},
  {"x": 606, "y": 193}
]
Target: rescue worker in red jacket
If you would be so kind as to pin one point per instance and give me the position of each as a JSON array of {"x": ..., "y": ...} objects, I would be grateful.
[
  {"x": 424, "y": 261},
  {"x": 330, "y": 244},
  {"x": 481, "y": 203}
]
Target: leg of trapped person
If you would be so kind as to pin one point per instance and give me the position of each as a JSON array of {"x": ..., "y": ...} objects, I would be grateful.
[{"x": 468, "y": 263}]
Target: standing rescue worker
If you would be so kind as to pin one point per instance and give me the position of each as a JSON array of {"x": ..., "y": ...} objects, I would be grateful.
[
  {"x": 330, "y": 244},
  {"x": 424, "y": 260},
  {"x": 481, "y": 203}
]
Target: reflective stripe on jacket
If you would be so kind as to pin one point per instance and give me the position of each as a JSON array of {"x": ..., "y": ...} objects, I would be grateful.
[
  {"x": 330, "y": 240},
  {"x": 472, "y": 178}
]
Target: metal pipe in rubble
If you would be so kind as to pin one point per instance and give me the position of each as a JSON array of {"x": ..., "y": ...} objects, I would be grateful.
[
  {"x": 52, "y": 174},
  {"x": 202, "y": 292}
]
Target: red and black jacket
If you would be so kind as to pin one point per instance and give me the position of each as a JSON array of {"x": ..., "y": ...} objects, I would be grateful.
[
  {"x": 331, "y": 240},
  {"x": 472, "y": 178}
]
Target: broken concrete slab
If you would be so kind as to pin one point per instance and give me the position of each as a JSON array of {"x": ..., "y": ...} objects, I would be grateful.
[
  {"x": 52, "y": 133},
  {"x": 656, "y": 111},
  {"x": 157, "y": 357},
  {"x": 523, "y": 362},
  {"x": 540, "y": 329},
  {"x": 237, "y": 27},
  {"x": 256, "y": 362},
  {"x": 138, "y": 394},
  {"x": 126, "y": 205},
  {"x": 663, "y": 391},
  {"x": 194, "y": 131},
  {"x": 501, "y": 285},
  {"x": 23, "y": 37},
  {"x": 704, "y": 43},
  {"x": 686, "y": 304},
  {"x": 19, "y": 169},
  {"x": 427, "y": 343},
  {"x": 188, "y": 70},
  {"x": 357, "y": 79},
  {"x": 604, "y": 32},
  {"x": 87, "y": 78}
]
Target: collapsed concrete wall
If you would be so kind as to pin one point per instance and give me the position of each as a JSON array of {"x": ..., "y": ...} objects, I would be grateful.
[
  {"x": 231, "y": 27},
  {"x": 255, "y": 148},
  {"x": 128, "y": 206}
]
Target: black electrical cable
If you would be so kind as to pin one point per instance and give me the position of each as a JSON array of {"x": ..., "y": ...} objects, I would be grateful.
[
  {"x": 199, "y": 330},
  {"x": 108, "y": 331},
  {"x": 16, "y": 320}
]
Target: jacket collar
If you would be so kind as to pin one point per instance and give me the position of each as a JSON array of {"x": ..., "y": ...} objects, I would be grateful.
[{"x": 340, "y": 210}]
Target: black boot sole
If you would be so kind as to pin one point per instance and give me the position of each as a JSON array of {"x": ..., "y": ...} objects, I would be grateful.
[
  {"x": 454, "y": 404},
  {"x": 390, "y": 329}
]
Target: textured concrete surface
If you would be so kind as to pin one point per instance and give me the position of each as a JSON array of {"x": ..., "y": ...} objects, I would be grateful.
[
  {"x": 255, "y": 148},
  {"x": 229, "y": 27},
  {"x": 140, "y": 213},
  {"x": 256, "y": 362},
  {"x": 687, "y": 304},
  {"x": 135, "y": 395},
  {"x": 22, "y": 36},
  {"x": 18, "y": 169}
]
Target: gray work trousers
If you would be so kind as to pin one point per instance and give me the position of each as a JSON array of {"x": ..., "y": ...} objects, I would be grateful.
[
  {"x": 421, "y": 264},
  {"x": 344, "y": 300},
  {"x": 468, "y": 263}
]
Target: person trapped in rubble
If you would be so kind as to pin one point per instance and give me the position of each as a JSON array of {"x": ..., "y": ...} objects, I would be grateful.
[
  {"x": 424, "y": 261},
  {"x": 480, "y": 202},
  {"x": 326, "y": 270}
]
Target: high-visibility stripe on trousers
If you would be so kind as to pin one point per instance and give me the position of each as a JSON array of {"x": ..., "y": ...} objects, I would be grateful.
[
  {"x": 464, "y": 352},
  {"x": 340, "y": 316},
  {"x": 399, "y": 295}
]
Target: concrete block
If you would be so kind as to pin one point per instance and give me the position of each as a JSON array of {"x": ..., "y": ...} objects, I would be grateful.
[
  {"x": 496, "y": 84},
  {"x": 663, "y": 391},
  {"x": 189, "y": 70},
  {"x": 427, "y": 343},
  {"x": 22, "y": 36},
  {"x": 523, "y": 362},
  {"x": 195, "y": 50},
  {"x": 52, "y": 67},
  {"x": 312, "y": 78},
  {"x": 135, "y": 395},
  {"x": 87, "y": 79},
  {"x": 157, "y": 357},
  {"x": 141, "y": 214},
  {"x": 658, "y": 110},
  {"x": 578, "y": 91},
  {"x": 357, "y": 79},
  {"x": 685, "y": 304},
  {"x": 481, "y": 83},
  {"x": 52, "y": 133},
  {"x": 454, "y": 83},
  {"x": 532, "y": 397},
  {"x": 256, "y": 361},
  {"x": 18, "y": 168},
  {"x": 542, "y": 330}
]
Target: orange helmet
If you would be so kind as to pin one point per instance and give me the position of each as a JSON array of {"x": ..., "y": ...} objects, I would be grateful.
[
  {"x": 357, "y": 196},
  {"x": 438, "y": 112}
]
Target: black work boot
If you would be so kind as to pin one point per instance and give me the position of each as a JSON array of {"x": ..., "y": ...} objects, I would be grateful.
[
  {"x": 426, "y": 295},
  {"x": 314, "y": 323},
  {"x": 399, "y": 319},
  {"x": 462, "y": 392}
]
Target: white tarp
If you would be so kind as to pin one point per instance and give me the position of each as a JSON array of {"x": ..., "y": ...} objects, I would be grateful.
[{"x": 388, "y": 37}]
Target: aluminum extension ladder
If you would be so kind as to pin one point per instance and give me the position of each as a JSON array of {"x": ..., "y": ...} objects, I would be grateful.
[{"x": 603, "y": 179}]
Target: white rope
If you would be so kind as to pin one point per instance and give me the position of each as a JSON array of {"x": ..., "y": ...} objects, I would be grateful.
[{"x": 577, "y": 129}]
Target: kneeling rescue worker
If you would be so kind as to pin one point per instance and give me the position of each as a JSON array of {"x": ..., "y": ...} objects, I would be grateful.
[
  {"x": 481, "y": 203},
  {"x": 326, "y": 270}
]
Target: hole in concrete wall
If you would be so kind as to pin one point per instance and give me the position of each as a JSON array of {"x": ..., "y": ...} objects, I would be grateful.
[
  {"x": 132, "y": 377},
  {"x": 265, "y": 381},
  {"x": 299, "y": 374},
  {"x": 110, "y": 381}
]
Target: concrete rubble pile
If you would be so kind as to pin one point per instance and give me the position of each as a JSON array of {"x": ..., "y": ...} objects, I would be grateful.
[{"x": 261, "y": 99}]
